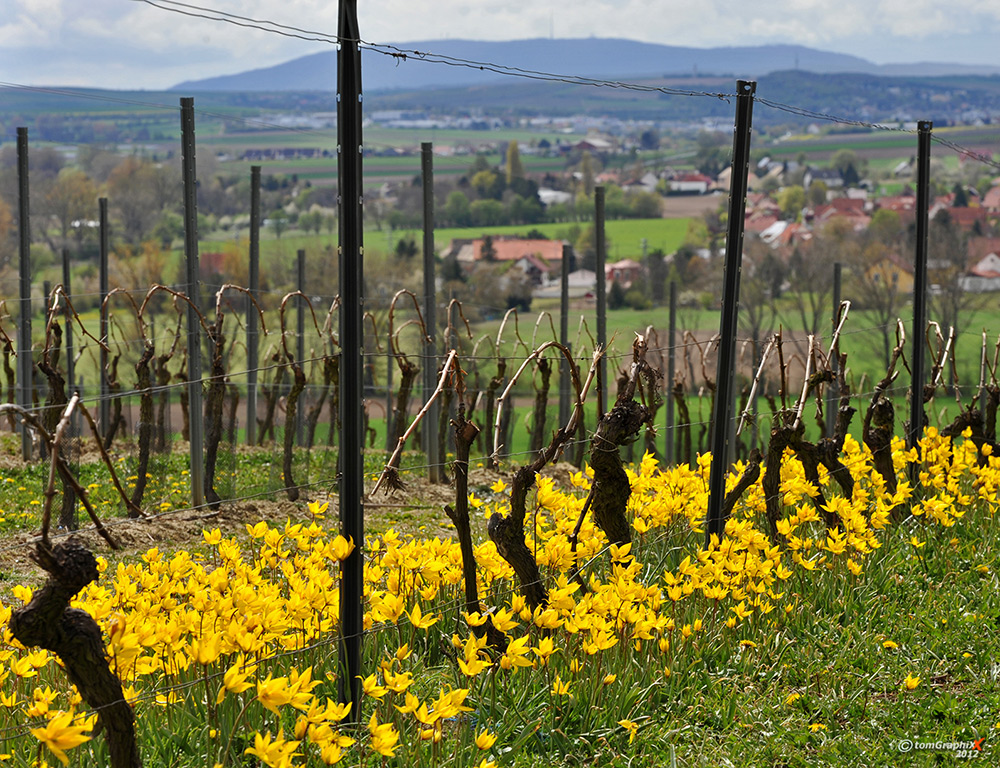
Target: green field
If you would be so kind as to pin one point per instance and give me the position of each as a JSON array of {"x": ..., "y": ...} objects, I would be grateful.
[
  {"x": 379, "y": 169},
  {"x": 624, "y": 237},
  {"x": 381, "y": 163}
]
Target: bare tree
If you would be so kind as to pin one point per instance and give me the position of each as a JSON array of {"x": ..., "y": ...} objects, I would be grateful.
[
  {"x": 875, "y": 286},
  {"x": 947, "y": 264},
  {"x": 810, "y": 272}
]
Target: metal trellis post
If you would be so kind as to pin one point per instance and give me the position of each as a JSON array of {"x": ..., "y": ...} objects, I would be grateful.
[
  {"x": 669, "y": 434},
  {"x": 919, "y": 292},
  {"x": 67, "y": 321},
  {"x": 833, "y": 390},
  {"x": 300, "y": 350},
  {"x": 722, "y": 412},
  {"x": 564, "y": 370},
  {"x": 600, "y": 245},
  {"x": 104, "y": 404},
  {"x": 193, "y": 286},
  {"x": 349, "y": 97},
  {"x": 252, "y": 351},
  {"x": 429, "y": 432},
  {"x": 24, "y": 362}
]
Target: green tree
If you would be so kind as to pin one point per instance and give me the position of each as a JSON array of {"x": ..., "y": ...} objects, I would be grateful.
[
  {"x": 645, "y": 205},
  {"x": 451, "y": 270},
  {"x": 479, "y": 164},
  {"x": 487, "y": 213},
  {"x": 406, "y": 248},
  {"x": 488, "y": 251},
  {"x": 792, "y": 200},
  {"x": 712, "y": 155},
  {"x": 521, "y": 210},
  {"x": 843, "y": 159},
  {"x": 456, "y": 209},
  {"x": 72, "y": 197},
  {"x": 649, "y": 139},
  {"x": 886, "y": 226},
  {"x": 170, "y": 227},
  {"x": 515, "y": 170},
  {"x": 656, "y": 266},
  {"x": 278, "y": 221},
  {"x": 485, "y": 182},
  {"x": 716, "y": 223},
  {"x": 637, "y": 298},
  {"x": 616, "y": 295},
  {"x": 849, "y": 166},
  {"x": 961, "y": 196},
  {"x": 817, "y": 192},
  {"x": 133, "y": 192},
  {"x": 311, "y": 221},
  {"x": 587, "y": 173}
]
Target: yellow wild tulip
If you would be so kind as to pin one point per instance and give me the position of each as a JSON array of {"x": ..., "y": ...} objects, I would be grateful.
[{"x": 60, "y": 733}]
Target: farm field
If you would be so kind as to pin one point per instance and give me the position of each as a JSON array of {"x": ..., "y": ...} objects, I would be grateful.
[
  {"x": 624, "y": 236},
  {"x": 884, "y": 145},
  {"x": 379, "y": 170}
]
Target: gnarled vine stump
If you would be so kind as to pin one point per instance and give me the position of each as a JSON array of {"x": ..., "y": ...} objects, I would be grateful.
[
  {"x": 73, "y": 635},
  {"x": 619, "y": 426}
]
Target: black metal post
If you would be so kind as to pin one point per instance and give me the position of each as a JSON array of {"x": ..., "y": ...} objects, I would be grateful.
[
  {"x": 104, "y": 404},
  {"x": 600, "y": 246},
  {"x": 349, "y": 97},
  {"x": 24, "y": 363},
  {"x": 564, "y": 371},
  {"x": 300, "y": 351},
  {"x": 919, "y": 293},
  {"x": 193, "y": 287},
  {"x": 671, "y": 373},
  {"x": 429, "y": 432},
  {"x": 67, "y": 321},
  {"x": 67, "y": 517},
  {"x": 722, "y": 412},
  {"x": 833, "y": 390},
  {"x": 390, "y": 363},
  {"x": 252, "y": 351}
]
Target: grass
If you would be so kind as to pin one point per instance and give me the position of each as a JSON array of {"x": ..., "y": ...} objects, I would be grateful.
[
  {"x": 379, "y": 169},
  {"x": 625, "y": 237},
  {"x": 820, "y": 680}
]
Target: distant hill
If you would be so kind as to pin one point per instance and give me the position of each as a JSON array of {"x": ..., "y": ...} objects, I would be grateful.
[
  {"x": 855, "y": 96},
  {"x": 592, "y": 57}
]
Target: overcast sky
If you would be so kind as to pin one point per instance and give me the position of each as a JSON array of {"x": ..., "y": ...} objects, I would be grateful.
[{"x": 130, "y": 44}]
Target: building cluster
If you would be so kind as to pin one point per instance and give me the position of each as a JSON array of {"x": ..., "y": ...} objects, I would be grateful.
[{"x": 853, "y": 210}]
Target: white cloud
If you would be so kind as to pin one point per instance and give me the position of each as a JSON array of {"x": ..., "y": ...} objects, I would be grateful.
[{"x": 30, "y": 22}]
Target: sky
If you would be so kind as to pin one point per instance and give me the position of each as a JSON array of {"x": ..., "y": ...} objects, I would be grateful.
[{"x": 130, "y": 44}]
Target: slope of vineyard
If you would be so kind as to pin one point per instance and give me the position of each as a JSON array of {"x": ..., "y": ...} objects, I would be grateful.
[{"x": 833, "y": 643}]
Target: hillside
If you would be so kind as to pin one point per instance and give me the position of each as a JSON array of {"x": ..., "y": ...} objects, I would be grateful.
[
  {"x": 87, "y": 116},
  {"x": 594, "y": 57}
]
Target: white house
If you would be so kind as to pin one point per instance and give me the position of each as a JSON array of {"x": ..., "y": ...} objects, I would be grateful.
[
  {"x": 984, "y": 275},
  {"x": 690, "y": 184}
]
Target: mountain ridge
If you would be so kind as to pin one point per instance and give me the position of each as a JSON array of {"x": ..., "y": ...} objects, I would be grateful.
[{"x": 454, "y": 63}]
